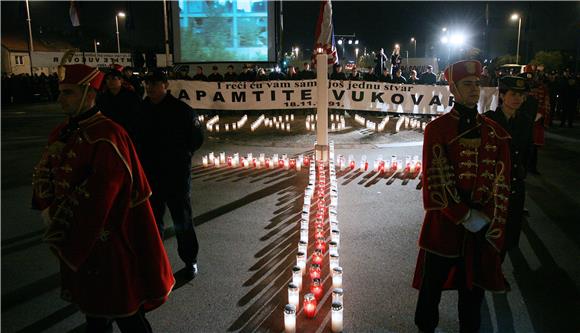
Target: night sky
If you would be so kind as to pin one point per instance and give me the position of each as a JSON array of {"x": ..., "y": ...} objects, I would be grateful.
[{"x": 546, "y": 25}]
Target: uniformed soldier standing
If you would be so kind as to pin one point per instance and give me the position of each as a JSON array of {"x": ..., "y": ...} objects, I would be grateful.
[
  {"x": 94, "y": 199},
  {"x": 169, "y": 134},
  {"x": 512, "y": 93},
  {"x": 465, "y": 194},
  {"x": 537, "y": 105}
]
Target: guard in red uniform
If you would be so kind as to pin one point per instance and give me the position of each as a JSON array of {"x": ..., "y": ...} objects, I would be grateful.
[
  {"x": 537, "y": 105},
  {"x": 466, "y": 176},
  {"x": 94, "y": 199}
]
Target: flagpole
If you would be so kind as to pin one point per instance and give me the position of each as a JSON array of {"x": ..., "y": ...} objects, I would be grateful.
[
  {"x": 30, "y": 42},
  {"x": 166, "y": 41},
  {"x": 322, "y": 107}
]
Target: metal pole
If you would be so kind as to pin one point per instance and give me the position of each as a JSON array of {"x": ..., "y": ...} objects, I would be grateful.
[
  {"x": 415, "y": 51},
  {"x": 95, "y": 43},
  {"x": 518, "y": 48},
  {"x": 117, "y": 27},
  {"x": 322, "y": 107},
  {"x": 30, "y": 42},
  {"x": 166, "y": 42}
]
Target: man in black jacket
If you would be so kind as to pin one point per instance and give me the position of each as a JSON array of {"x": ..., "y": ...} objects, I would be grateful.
[
  {"x": 169, "y": 135},
  {"x": 119, "y": 103},
  {"x": 519, "y": 124}
]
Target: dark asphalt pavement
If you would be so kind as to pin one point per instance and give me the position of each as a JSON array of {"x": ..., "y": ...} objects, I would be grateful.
[{"x": 248, "y": 224}]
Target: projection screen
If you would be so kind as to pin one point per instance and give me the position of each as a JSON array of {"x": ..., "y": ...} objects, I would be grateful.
[{"x": 224, "y": 31}]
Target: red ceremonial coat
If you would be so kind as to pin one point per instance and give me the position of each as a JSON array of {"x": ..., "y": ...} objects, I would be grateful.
[
  {"x": 542, "y": 95},
  {"x": 95, "y": 201},
  {"x": 459, "y": 174}
]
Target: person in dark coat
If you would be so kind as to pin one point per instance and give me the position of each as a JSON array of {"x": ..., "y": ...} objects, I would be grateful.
[
  {"x": 337, "y": 73},
  {"x": 385, "y": 76},
  {"x": 413, "y": 79},
  {"x": 306, "y": 73},
  {"x": 119, "y": 103},
  {"x": 230, "y": 75},
  {"x": 395, "y": 60},
  {"x": 169, "y": 134},
  {"x": 399, "y": 78},
  {"x": 370, "y": 75},
  {"x": 569, "y": 101},
  {"x": 519, "y": 124},
  {"x": 428, "y": 77},
  {"x": 380, "y": 61},
  {"x": 355, "y": 75},
  {"x": 215, "y": 76},
  {"x": 199, "y": 76},
  {"x": 134, "y": 80}
]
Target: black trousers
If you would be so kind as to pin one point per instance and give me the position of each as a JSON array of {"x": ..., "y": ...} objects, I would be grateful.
[
  {"x": 136, "y": 323},
  {"x": 435, "y": 274},
  {"x": 513, "y": 227},
  {"x": 533, "y": 159},
  {"x": 178, "y": 200}
]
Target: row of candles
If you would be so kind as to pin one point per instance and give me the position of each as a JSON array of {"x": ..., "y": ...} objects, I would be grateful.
[
  {"x": 278, "y": 122},
  {"x": 411, "y": 165},
  {"x": 212, "y": 126},
  {"x": 259, "y": 162},
  {"x": 315, "y": 193}
]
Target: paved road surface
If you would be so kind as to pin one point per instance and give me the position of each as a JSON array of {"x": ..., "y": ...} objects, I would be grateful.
[{"x": 248, "y": 222}]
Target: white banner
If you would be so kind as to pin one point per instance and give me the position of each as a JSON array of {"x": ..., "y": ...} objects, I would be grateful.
[
  {"x": 52, "y": 59},
  {"x": 348, "y": 95}
]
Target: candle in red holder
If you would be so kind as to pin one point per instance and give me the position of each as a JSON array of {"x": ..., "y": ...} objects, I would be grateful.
[
  {"x": 320, "y": 244},
  {"x": 254, "y": 162},
  {"x": 229, "y": 161},
  {"x": 281, "y": 163},
  {"x": 316, "y": 289},
  {"x": 317, "y": 257},
  {"x": 352, "y": 165},
  {"x": 319, "y": 233},
  {"x": 315, "y": 271},
  {"x": 267, "y": 162},
  {"x": 417, "y": 167},
  {"x": 310, "y": 305},
  {"x": 292, "y": 163},
  {"x": 306, "y": 161},
  {"x": 319, "y": 223}
]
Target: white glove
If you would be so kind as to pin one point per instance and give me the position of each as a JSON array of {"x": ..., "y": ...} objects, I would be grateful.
[{"x": 475, "y": 221}]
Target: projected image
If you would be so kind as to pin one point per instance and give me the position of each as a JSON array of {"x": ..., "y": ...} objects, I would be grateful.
[{"x": 222, "y": 31}]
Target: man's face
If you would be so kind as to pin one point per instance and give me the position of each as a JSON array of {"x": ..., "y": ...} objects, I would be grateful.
[
  {"x": 307, "y": 67},
  {"x": 156, "y": 90},
  {"x": 113, "y": 82},
  {"x": 466, "y": 91},
  {"x": 127, "y": 73},
  {"x": 70, "y": 97},
  {"x": 513, "y": 99}
]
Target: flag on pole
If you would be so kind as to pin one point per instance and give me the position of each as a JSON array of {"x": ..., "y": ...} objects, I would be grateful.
[
  {"x": 74, "y": 14},
  {"x": 325, "y": 32}
]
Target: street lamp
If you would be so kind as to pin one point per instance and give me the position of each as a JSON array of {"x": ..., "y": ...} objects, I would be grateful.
[
  {"x": 519, "y": 19},
  {"x": 297, "y": 50},
  {"x": 95, "y": 43},
  {"x": 119, "y": 14},
  {"x": 356, "y": 55},
  {"x": 414, "y": 41}
]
